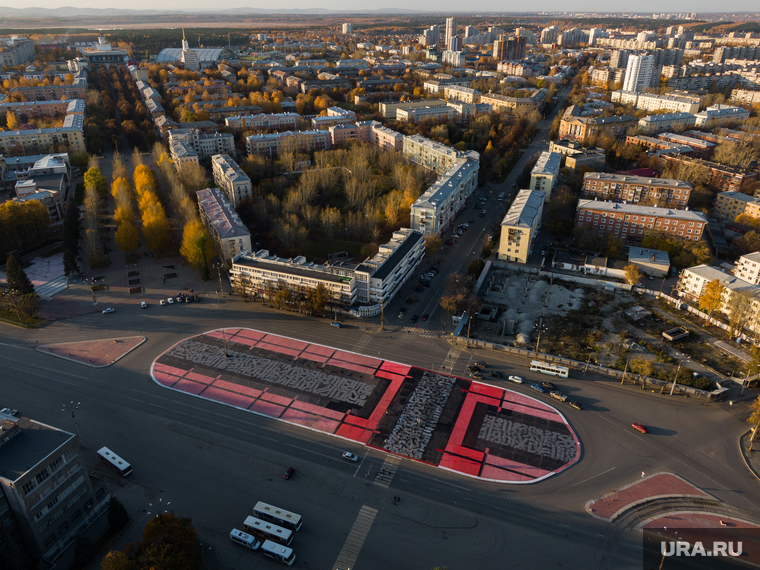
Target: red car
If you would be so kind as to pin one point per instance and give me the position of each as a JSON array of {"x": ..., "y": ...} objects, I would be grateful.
[
  {"x": 289, "y": 473},
  {"x": 425, "y": 317},
  {"x": 639, "y": 427}
]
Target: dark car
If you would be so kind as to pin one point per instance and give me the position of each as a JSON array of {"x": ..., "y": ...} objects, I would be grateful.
[
  {"x": 538, "y": 388},
  {"x": 449, "y": 242},
  {"x": 289, "y": 473},
  {"x": 481, "y": 364},
  {"x": 419, "y": 289},
  {"x": 414, "y": 319},
  {"x": 473, "y": 369},
  {"x": 548, "y": 385},
  {"x": 497, "y": 374},
  {"x": 425, "y": 317}
]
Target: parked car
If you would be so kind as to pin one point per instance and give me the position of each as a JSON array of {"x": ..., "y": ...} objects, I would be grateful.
[
  {"x": 449, "y": 242},
  {"x": 538, "y": 388},
  {"x": 162, "y": 303},
  {"x": 473, "y": 368},
  {"x": 425, "y": 317},
  {"x": 108, "y": 310},
  {"x": 288, "y": 473},
  {"x": 483, "y": 214},
  {"x": 476, "y": 375},
  {"x": 350, "y": 456},
  {"x": 548, "y": 385},
  {"x": 515, "y": 379},
  {"x": 481, "y": 364},
  {"x": 574, "y": 404},
  {"x": 497, "y": 374},
  {"x": 143, "y": 305},
  {"x": 178, "y": 299},
  {"x": 170, "y": 300},
  {"x": 336, "y": 324},
  {"x": 639, "y": 427},
  {"x": 558, "y": 395},
  {"x": 414, "y": 319}
]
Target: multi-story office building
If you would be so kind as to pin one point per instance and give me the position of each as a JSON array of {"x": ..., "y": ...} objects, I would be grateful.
[
  {"x": 748, "y": 268},
  {"x": 545, "y": 173},
  {"x": 652, "y": 102},
  {"x": 631, "y": 222},
  {"x": 720, "y": 115},
  {"x": 663, "y": 192},
  {"x": 435, "y": 211},
  {"x": 638, "y": 73},
  {"x": 728, "y": 205},
  {"x": 46, "y": 482},
  {"x": 418, "y": 114},
  {"x": 652, "y": 124},
  {"x": 230, "y": 178},
  {"x": 229, "y": 233},
  {"x": 520, "y": 226},
  {"x": 270, "y": 145}
]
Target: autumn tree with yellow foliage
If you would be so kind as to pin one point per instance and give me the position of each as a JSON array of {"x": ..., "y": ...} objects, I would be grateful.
[
  {"x": 197, "y": 247},
  {"x": 126, "y": 237}
]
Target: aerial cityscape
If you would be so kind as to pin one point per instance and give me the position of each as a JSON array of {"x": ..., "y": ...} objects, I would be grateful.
[{"x": 366, "y": 287}]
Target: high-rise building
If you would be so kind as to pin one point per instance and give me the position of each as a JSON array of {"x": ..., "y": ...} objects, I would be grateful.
[
  {"x": 347, "y": 29},
  {"x": 470, "y": 31},
  {"x": 455, "y": 44},
  {"x": 451, "y": 29},
  {"x": 638, "y": 73},
  {"x": 431, "y": 36},
  {"x": 549, "y": 35},
  {"x": 189, "y": 56}
]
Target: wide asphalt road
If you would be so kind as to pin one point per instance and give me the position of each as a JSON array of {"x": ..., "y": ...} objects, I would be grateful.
[{"x": 214, "y": 462}]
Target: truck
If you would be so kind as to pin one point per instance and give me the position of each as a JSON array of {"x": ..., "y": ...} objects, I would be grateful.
[{"x": 675, "y": 334}]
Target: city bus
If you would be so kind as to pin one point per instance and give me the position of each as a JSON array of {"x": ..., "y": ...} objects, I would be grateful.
[
  {"x": 551, "y": 369},
  {"x": 268, "y": 531},
  {"x": 115, "y": 462},
  {"x": 278, "y": 552},
  {"x": 278, "y": 516},
  {"x": 501, "y": 197}
]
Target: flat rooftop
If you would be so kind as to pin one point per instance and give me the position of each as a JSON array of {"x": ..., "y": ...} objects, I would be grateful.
[{"x": 32, "y": 445}]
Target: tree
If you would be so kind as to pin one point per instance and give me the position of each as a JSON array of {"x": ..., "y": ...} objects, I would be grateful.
[
  {"x": 754, "y": 418},
  {"x": 169, "y": 543},
  {"x": 94, "y": 178},
  {"x": 11, "y": 121},
  {"x": 432, "y": 244},
  {"x": 155, "y": 226},
  {"x": 127, "y": 238},
  {"x": 631, "y": 274},
  {"x": 195, "y": 250},
  {"x": 739, "y": 310},
  {"x": 711, "y": 300},
  {"x": 118, "y": 560},
  {"x": 319, "y": 297},
  {"x": 17, "y": 279},
  {"x": 117, "y": 514}
]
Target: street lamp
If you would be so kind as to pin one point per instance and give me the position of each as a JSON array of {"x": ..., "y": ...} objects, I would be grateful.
[
  {"x": 71, "y": 407},
  {"x": 158, "y": 508},
  {"x": 541, "y": 328}
]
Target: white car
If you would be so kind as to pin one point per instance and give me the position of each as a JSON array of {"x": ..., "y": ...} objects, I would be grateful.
[
  {"x": 108, "y": 310},
  {"x": 350, "y": 456},
  {"x": 162, "y": 302},
  {"x": 516, "y": 379},
  {"x": 170, "y": 300},
  {"x": 143, "y": 305}
]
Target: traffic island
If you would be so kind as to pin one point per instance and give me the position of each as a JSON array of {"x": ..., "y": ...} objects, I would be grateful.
[{"x": 95, "y": 353}]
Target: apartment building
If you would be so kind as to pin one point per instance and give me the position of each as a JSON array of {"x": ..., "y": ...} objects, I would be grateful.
[
  {"x": 663, "y": 192},
  {"x": 464, "y": 94},
  {"x": 263, "y": 121},
  {"x": 419, "y": 114},
  {"x": 728, "y": 205},
  {"x": 520, "y": 226},
  {"x": 389, "y": 109},
  {"x": 699, "y": 147},
  {"x": 270, "y": 145},
  {"x": 435, "y": 211},
  {"x": 545, "y": 173},
  {"x": 205, "y": 145},
  {"x": 631, "y": 222},
  {"x": 436, "y": 86},
  {"x": 720, "y": 115},
  {"x": 652, "y": 124},
  {"x": 658, "y": 144},
  {"x": 745, "y": 97},
  {"x": 638, "y": 73},
  {"x": 693, "y": 281},
  {"x": 748, "y": 268},
  {"x": 77, "y": 90},
  {"x": 47, "y": 484},
  {"x": 499, "y": 102},
  {"x": 433, "y": 155},
  {"x": 230, "y": 178},
  {"x": 182, "y": 153},
  {"x": 15, "y": 51},
  {"x": 33, "y": 141},
  {"x": 374, "y": 132},
  {"x": 44, "y": 108},
  {"x": 653, "y": 102},
  {"x": 726, "y": 178},
  {"x": 228, "y": 232}
]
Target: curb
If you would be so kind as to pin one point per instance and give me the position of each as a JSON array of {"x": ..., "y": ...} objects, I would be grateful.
[
  {"x": 77, "y": 361},
  {"x": 744, "y": 455}
]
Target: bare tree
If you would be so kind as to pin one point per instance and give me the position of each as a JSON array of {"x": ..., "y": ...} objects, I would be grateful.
[{"x": 330, "y": 220}]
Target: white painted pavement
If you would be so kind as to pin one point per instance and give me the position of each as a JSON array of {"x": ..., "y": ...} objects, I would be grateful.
[{"x": 355, "y": 540}]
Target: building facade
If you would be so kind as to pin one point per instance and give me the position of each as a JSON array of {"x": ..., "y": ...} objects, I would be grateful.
[
  {"x": 545, "y": 173},
  {"x": 663, "y": 192},
  {"x": 230, "y": 178},
  {"x": 652, "y": 124},
  {"x": 520, "y": 226},
  {"x": 229, "y": 233},
  {"x": 748, "y": 268}
]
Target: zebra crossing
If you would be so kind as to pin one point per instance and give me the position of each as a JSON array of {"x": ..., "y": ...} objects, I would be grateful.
[
  {"x": 355, "y": 540},
  {"x": 387, "y": 471},
  {"x": 422, "y": 332},
  {"x": 362, "y": 343},
  {"x": 450, "y": 360}
]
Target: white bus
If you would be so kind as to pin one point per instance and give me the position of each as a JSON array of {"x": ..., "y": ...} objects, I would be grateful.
[
  {"x": 278, "y": 552},
  {"x": 278, "y": 516},
  {"x": 501, "y": 197},
  {"x": 551, "y": 369},
  {"x": 115, "y": 462},
  {"x": 268, "y": 531}
]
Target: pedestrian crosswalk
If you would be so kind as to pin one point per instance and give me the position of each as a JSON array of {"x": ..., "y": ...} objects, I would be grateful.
[
  {"x": 451, "y": 359},
  {"x": 387, "y": 471},
  {"x": 355, "y": 540},
  {"x": 362, "y": 343},
  {"x": 422, "y": 332}
]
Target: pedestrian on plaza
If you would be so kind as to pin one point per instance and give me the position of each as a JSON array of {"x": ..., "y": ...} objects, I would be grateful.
[{"x": 642, "y": 474}]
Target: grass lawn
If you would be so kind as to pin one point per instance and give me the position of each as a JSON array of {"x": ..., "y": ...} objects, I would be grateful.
[
  {"x": 321, "y": 247},
  {"x": 12, "y": 319}
]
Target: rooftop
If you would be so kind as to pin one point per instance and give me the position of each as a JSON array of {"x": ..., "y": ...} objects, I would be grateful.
[
  {"x": 602, "y": 206},
  {"x": 728, "y": 281},
  {"x": 446, "y": 184},
  {"x": 747, "y": 198},
  {"x": 524, "y": 209},
  {"x": 548, "y": 163},
  {"x": 32, "y": 445},
  {"x": 287, "y": 268},
  {"x": 628, "y": 179},
  {"x": 395, "y": 251},
  {"x": 667, "y": 117},
  {"x": 217, "y": 210}
]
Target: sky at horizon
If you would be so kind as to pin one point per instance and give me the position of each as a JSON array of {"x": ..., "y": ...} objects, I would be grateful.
[{"x": 426, "y": 5}]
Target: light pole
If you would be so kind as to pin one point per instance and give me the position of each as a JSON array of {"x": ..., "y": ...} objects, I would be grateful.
[
  {"x": 72, "y": 407},
  {"x": 158, "y": 508},
  {"x": 219, "y": 273},
  {"x": 540, "y": 330}
]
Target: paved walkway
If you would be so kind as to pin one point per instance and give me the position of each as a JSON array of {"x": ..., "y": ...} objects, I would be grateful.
[
  {"x": 96, "y": 353},
  {"x": 609, "y": 506},
  {"x": 473, "y": 429}
]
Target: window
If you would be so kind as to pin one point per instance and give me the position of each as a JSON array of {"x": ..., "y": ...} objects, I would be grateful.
[
  {"x": 29, "y": 486},
  {"x": 42, "y": 475}
]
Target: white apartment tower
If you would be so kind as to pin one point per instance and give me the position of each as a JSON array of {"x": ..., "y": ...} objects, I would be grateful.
[
  {"x": 638, "y": 74},
  {"x": 189, "y": 57},
  {"x": 347, "y": 29},
  {"x": 451, "y": 29}
]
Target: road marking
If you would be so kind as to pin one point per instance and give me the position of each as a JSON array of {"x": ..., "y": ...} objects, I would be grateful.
[
  {"x": 361, "y": 463},
  {"x": 16, "y": 346},
  {"x": 594, "y": 477},
  {"x": 387, "y": 471},
  {"x": 355, "y": 539},
  {"x": 362, "y": 342},
  {"x": 42, "y": 376}
]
